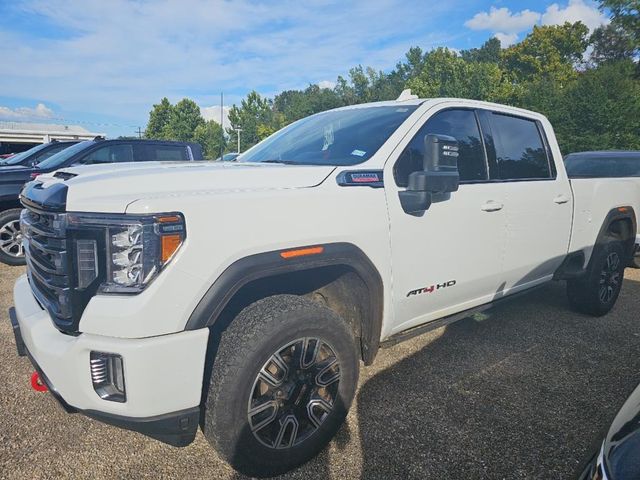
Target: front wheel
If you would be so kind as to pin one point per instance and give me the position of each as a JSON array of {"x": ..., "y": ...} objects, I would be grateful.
[
  {"x": 282, "y": 382},
  {"x": 596, "y": 293},
  {"x": 11, "y": 249}
]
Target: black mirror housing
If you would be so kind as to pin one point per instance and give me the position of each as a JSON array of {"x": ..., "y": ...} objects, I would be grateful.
[{"x": 440, "y": 174}]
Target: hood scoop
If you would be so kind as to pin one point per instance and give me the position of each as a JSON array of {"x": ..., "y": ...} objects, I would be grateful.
[{"x": 64, "y": 176}]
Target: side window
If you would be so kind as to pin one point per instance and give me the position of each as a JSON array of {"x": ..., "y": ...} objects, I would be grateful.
[
  {"x": 109, "y": 154},
  {"x": 459, "y": 124},
  {"x": 520, "y": 151},
  {"x": 166, "y": 153}
]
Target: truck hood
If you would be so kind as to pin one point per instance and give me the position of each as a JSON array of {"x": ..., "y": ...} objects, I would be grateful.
[{"x": 111, "y": 187}]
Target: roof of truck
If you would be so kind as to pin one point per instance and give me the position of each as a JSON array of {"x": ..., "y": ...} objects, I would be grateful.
[{"x": 420, "y": 101}]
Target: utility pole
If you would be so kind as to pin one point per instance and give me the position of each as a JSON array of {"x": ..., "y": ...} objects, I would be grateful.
[
  {"x": 238, "y": 130},
  {"x": 221, "y": 125},
  {"x": 139, "y": 132}
]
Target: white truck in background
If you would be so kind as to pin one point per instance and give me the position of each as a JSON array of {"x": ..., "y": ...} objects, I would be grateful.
[{"x": 241, "y": 297}]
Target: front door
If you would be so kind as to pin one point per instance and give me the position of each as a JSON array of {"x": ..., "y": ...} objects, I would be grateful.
[{"x": 450, "y": 258}]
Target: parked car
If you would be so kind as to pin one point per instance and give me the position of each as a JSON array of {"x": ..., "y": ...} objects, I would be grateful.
[
  {"x": 242, "y": 296},
  {"x": 619, "y": 455},
  {"x": 37, "y": 154},
  {"x": 606, "y": 164},
  {"x": 92, "y": 152},
  {"x": 228, "y": 157}
]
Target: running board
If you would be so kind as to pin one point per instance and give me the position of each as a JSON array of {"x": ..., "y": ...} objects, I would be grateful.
[{"x": 444, "y": 321}]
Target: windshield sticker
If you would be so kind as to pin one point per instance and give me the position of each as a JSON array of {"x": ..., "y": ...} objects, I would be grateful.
[
  {"x": 328, "y": 137},
  {"x": 359, "y": 153}
]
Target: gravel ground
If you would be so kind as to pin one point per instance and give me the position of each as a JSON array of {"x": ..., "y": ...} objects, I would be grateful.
[{"x": 521, "y": 392}]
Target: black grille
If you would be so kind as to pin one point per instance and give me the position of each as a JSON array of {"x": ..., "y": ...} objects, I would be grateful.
[{"x": 48, "y": 269}]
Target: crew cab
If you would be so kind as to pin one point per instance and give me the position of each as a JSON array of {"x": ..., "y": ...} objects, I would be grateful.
[
  {"x": 91, "y": 152},
  {"x": 242, "y": 296}
]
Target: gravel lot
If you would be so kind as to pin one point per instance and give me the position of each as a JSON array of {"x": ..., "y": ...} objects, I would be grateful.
[{"x": 522, "y": 392}]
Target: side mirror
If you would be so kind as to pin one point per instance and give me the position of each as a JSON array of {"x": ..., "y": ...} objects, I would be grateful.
[{"x": 439, "y": 175}]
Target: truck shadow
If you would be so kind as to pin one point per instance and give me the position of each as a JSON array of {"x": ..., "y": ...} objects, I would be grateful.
[{"x": 522, "y": 390}]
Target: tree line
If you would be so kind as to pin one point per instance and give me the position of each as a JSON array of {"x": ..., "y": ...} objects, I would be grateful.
[{"x": 588, "y": 85}]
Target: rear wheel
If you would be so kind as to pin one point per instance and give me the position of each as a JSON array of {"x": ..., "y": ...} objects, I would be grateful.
[
  {"x": 596, "y": 293},
  {"x": 11, "y": 249},
  {"x": 282, "y": 382}
]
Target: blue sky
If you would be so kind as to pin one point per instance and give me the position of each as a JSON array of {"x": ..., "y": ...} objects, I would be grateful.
[{"x": 102, "y": 64}]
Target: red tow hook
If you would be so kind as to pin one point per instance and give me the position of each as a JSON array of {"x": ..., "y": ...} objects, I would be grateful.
[{"x": 37, "y": 384}]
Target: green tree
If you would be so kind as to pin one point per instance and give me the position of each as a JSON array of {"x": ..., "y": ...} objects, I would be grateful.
[
  {"x": 602, "y": 109},
  {"x": 185, "y": 118},
  {"x": 625, "y": 17},
  {"x": 490, "y": 51},
  {"x": 626, "y": 14},
  {"x": 296, "y": 104},
  {"x": 446, "y": 74},
  {"x": 210, "y": 136},
  {"x": 256, "y": 119},
  {"x": 549, "y": 51},
  {"x": 159, "y": 118},
  {"x": 611, "y": 43}
]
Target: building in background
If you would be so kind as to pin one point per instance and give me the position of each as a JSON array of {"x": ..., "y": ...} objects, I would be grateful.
[{"x": 17, "y": 137}]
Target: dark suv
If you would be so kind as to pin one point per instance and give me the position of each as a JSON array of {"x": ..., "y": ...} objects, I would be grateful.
[
  {"x": 37, "y": 154},
  {"x": 91, "y": 152}
]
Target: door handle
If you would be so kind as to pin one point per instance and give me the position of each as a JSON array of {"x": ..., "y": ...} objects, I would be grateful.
[
  {"x": 491, "y": 206},
  {"x": 560, "y": 199}
]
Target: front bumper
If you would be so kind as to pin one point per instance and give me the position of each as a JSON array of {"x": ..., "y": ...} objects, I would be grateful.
[{"x": 163, "y": 375}]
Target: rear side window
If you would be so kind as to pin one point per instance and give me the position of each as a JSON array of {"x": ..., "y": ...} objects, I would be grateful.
[
  {"x": 109, "y": 154},
  {"x": 520, "y": 152},
  {"x": 166, "y": 153},
  {"x": 459, "y": 124}
]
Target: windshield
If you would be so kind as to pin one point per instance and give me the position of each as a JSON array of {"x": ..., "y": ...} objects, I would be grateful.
[
  {"x": 57, "y": 160},
  {"x": 602, "y": 166},
  {"x": 336, "y": 137},
  {"x": 17, "y": 159}
]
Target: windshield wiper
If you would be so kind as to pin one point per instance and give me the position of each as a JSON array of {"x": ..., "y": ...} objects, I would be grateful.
[{"x": 284, "y": 162}]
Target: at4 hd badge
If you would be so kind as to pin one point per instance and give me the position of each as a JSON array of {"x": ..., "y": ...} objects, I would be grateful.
[{"x": 432, "y": 288}]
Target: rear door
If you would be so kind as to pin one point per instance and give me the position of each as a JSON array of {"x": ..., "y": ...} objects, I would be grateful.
[{"x": 538, "y": 204}]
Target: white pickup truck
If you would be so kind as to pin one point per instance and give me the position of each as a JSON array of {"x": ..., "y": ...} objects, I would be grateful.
[{"x": 242, "y": 296}]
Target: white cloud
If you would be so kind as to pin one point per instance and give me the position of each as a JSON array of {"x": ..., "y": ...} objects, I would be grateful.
[
  {"x": 506, "y": 26},
  {"x": 213, "y": 113},
  {"x": 502, "y": 20},
  {"x": 326, "y": 84},
  {"x": 40, "y": 112},
  {"x": 117, "y": 58},
  {"x": 506, "y": 39},
  {"x": 576, "y": 10}
]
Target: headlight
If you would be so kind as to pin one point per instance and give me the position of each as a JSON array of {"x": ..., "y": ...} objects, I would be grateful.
[{"x": 125, "y": 252}]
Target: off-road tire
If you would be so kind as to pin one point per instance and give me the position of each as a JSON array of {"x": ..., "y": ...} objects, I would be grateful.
[
  {"x": 597, "y": 291},
  {"x": 252, "y": 339},
  {"x": 9, "y": 219}
]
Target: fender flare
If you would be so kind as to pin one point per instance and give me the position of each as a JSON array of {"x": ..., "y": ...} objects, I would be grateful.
[
  {"x": 615, "y": 214},
  {"x": 267, "y": 264}
]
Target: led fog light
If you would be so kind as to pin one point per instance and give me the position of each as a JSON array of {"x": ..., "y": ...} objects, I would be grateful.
[{"x": 107, "y": 375}]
